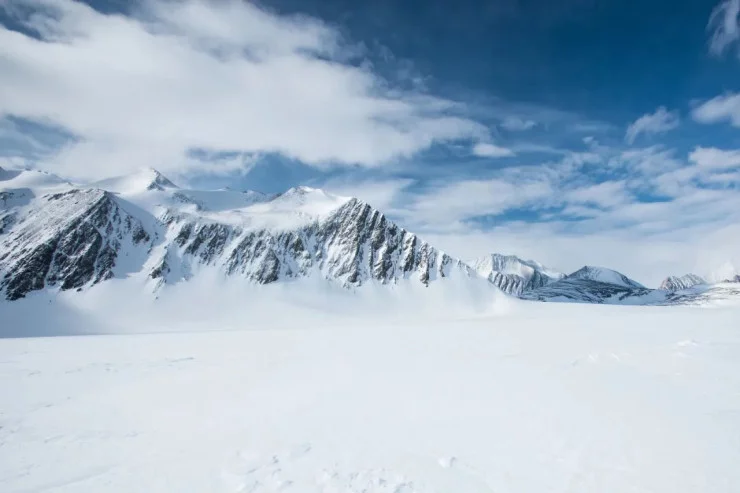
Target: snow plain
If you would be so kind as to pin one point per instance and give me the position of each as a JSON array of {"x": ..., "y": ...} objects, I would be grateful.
[{"x": 330, "y": 393}]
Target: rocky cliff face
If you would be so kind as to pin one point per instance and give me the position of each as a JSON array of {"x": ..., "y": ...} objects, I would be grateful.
[
  {"x": 144, "y": 228},
  {"x": 514, "y": 275},
  {"x": 70, "y": 240},
  {"x": 352, "y": 245},
  {"x": 79, "y": 237},
  {"x": 677, "y": 283}
]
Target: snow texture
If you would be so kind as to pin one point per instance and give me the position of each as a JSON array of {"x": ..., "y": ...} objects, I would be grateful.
[{"x": 536, "y": 398}]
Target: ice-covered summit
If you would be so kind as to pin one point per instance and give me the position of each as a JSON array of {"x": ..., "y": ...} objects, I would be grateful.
[{"x": 140, "y": 180}]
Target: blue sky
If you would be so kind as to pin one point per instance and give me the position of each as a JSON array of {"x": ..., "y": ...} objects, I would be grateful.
[{"x": 573, "y": 132}]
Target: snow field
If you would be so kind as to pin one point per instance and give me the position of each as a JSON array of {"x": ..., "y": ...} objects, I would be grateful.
[{"x": 551, "y": 398}]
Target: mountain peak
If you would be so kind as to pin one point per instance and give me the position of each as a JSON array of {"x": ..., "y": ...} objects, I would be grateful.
[
  {"x": 155, "y": 179},
  {"x": 302, "y": 189},
  {"x": 143, "y": 179},
  {"x": 602, "y": 274},
  {"x": 308, "y": 200},
  {"x": 677, "y": 283}
]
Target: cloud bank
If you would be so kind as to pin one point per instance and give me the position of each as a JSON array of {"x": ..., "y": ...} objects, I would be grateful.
[{"x": 219, "y": 77}]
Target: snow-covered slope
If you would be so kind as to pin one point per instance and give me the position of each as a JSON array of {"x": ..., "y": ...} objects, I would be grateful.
[
  {"x": 677, "y": 283},
  {"x": 71, "y": 239},
  {"x": 514, "y": 275},
  {"x": 144, "y": 227}
]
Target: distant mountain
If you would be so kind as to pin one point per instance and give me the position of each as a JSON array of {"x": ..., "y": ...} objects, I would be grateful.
[
  {"x": 604, "y": 275},
  {"x": 674, "y": 283},
  {"x": 514, "y": 275},
  {"x": 591, "y": 285},
  {"x": 145, "y": 229}
]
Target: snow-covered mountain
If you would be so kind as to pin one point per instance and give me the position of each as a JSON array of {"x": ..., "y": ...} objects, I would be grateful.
[
  {"x": 677, "y": 283},
  {"x": 592, "y": 285},
  {"x": 144, "y": 227},
  {"x": 604, "y": 275},
  {"x": 514, "y": 275}
]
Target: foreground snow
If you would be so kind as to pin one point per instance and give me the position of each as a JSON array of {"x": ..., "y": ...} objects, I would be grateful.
[{"x": 536, "y": 398}]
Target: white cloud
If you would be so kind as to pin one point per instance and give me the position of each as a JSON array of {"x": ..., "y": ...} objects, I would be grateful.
[
  {"x": 518, "y": 124},
  {"x": 652, "y": 123},
  {"x": 583, "y": 220},
  {"x": 724, "y": 23},
  {"x": 713, "y": 158},
  {"x": 220, "y": 76},
  {"x": 380, "y": 193},
  {"x": 720, "y": 108},
  {"x": 483, "y": 149},
  {"x": 646, "y": 161},
  {"x": 605, "y": 194},
  {"x": 445, "y": 205}
]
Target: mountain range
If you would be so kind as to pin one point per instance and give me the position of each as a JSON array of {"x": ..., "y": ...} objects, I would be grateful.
[{"x": 145, "y": 229}]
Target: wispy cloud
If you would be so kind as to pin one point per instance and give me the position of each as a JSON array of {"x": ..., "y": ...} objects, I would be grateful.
[
  {"x": 724, "y": 25},
  {"x": 380, "y": 193},
  {"x": 218, "y": 76},
  {"x": 484, "y": 149},
  {"x": 713, "y": 158},
  {"x": 516, "y": 124},
  {"x": 725, "y": 107},
  {"x": 660, "y": 121},
  {"x": 647, "y": 210}
]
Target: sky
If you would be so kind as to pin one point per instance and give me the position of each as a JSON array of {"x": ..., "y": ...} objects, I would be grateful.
[{"x": 600, "y": 132}]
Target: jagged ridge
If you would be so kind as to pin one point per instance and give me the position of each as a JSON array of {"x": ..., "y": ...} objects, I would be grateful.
[
  {"x": 76, "y": 238},
  {"x": 353, "y": 245},
  {"x": 143, "y": 226},
  {"x": 69, "y": 239},
  {"x": 676, "y": 283}
]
